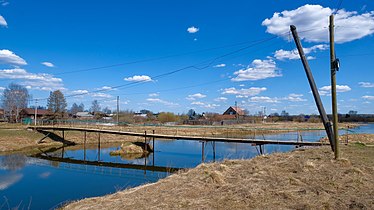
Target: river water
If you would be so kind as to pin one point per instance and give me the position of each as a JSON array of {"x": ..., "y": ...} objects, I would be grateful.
[{"x": 34, "y": 183}]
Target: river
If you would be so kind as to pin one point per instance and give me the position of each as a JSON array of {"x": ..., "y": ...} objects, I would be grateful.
[{"x": 34, "y": 183}]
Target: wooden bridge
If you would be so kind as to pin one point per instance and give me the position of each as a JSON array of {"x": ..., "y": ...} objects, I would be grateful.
[{"x": 179, "y": 137}]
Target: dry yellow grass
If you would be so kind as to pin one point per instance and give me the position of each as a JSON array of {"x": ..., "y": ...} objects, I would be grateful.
[{"x": 302, "y": 179}]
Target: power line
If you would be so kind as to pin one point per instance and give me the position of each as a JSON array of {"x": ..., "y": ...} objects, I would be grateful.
[
  {"x": 338, "y": 6},
  {"x": 156, "y": 58},
  {"x": 196, "y": 66}
]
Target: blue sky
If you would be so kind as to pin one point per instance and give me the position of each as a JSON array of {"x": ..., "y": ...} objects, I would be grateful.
[{"x": 177, "y": 55}]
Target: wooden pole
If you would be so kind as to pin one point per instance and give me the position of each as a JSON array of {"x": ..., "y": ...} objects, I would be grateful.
[
  {"x": 98, "y": 155},
  {"x": 202, "y": 152},
  {"x": 36, "y": 110},
  {"x": 214, "y": 151},
  {"x": 145, "y": 141},
  {"x": 84, "y": 145},
  {"x": 333, "y": 68},
  {"x": 117, "y": 110},
  {"x": 153, "y": 147},
  {"x": 313, "y": 87}
]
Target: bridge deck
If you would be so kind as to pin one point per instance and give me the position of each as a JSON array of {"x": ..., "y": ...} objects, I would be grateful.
[{"x": 178, "y": 137}]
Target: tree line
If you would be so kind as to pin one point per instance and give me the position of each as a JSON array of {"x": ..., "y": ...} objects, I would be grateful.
[{"x": 16, "y": 97}]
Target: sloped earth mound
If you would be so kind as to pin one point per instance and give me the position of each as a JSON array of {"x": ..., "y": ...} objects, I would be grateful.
[{"x": 302, "y": 179}]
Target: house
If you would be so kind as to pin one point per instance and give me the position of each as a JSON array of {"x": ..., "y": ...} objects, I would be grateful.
[
  {"x": 84, "y": 115},
  {"x": 30, "y": 113},
  {"x": 234, "y": 110}
]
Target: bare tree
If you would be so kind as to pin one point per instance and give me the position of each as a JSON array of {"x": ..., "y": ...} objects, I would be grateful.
[
  {"x": 15, "y": 98},
  {"x": 95, "y": 107},
  {"x": 57, "y": 104}
]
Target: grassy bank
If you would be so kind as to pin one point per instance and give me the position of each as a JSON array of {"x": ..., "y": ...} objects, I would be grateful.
[{"x": 302, "y": 179}]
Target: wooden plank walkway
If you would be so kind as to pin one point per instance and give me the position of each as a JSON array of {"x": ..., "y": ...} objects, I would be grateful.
[{"x": 178, "y": 137}]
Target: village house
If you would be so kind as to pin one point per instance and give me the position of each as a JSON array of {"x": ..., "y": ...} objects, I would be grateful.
[
  {"x": 28, "y": 114},
  {"x": 233, "y": 112},
  {"x": 84, "y": 115}
]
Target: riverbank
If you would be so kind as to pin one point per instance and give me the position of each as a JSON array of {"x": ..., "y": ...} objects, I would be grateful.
[
  {"x": 15, "y": 138},
  {"x": 302, "y": 179}
]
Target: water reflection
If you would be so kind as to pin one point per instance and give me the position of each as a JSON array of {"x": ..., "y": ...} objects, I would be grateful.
[
  {"x": 9, "y": 179},
  {"x": 13, "y": 162}
]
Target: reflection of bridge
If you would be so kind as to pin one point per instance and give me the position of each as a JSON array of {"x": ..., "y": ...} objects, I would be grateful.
[
  {"x": 179, "y": 137},
  {"x": 108, "y": 164}
]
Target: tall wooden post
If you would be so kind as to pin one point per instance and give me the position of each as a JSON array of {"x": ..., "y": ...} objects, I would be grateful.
[
  {"x": 36, "y": 110},
  {"x": 117, "y": 110},
  {"x": 84, "y": 145},
  {"x": 313, "y": 87},
  {"x": 333, "y": 68},
  {"x": 98, "y": 147},
  {"x": 145, "y": 141},
  {"x": 153, "y": 148},
  {"x": 202, "y": 151}
]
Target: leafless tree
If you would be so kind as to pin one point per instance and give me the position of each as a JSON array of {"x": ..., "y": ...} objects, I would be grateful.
[{"x": 15, "y": 98}]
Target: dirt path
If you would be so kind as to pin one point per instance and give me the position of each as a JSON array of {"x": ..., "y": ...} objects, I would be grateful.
[{"x": 302, "y": 179}]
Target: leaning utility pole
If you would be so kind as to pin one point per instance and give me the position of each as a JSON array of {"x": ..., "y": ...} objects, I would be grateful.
[
  {"x": 334, "y": 65},
  {"x": 317, "y": 98}
]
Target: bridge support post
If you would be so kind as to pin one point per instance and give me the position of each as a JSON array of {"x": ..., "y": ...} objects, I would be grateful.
[
  {"x": 153, "y": 147},
  {"x": 202, "y": 151},
  {"x": 261, "y": 149},
  {"x": 214, "y": 151},
  {"x": 84, "y": 145},
  {"x": 98, "y": 149},
  {"x": 145, "y": 141}
]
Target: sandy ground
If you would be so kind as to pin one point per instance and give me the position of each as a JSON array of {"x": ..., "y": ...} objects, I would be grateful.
[{"x": 302, "y": 179}]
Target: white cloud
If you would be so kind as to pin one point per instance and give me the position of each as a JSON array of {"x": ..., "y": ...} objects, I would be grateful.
[
  {"x": 294, "y": 97},
  {"x": 105, "y": 88},
  {"x": 221, "y": 99},
  {"x": 48, "y": 64},
  {"x": 198, "y": 103},
  {"x": 4, "y": 3},
  {"x": 326, "y": 90},
  {"x": 8, "y": 57},
  {"x": 366, "y": 84},
  {"x": 259, "y": 69},
  {"x": 204, "y": 105},
  {"x": 219, "y": 65},
  {"x": 195, "y": 96},
  {"x": 312, "y": 23},
  {"x": 157, "y": 100},
  {"x": 153, "y": 95},
  {"x": 263, "y": 99},
  {"x": 139, "y": 78},
  {"x": 294, "y": 54},
  {"x": 368, "y": 97},
  {"x": 2, "y": 88},
  {"x": 74, "y": 92},
  {"x": 3, "y": 22},
  {"x": 244, "y": 92},
  {"x": 45, "y": 82},
  {"x": 192, "y": 29},
  {"x": 101, "y": 95}
]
